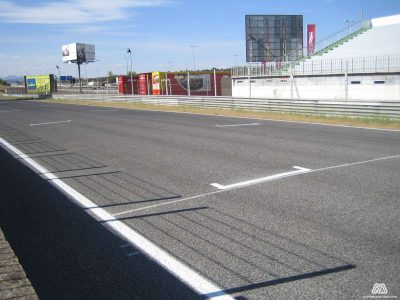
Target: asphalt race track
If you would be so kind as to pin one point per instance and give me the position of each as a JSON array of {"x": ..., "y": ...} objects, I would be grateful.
[{"x": 139, "y": 204}]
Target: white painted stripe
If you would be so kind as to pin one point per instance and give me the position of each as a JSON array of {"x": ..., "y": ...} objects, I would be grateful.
[
  {"x": 12, "y": 110},
  {"x": 102, "y": 110},
  {"x": 48, "y": 123},
  {"x": 300, "y": 170},
  {"x": 239, "y": 125},
  {"x": 166, "y": 203},
  {"x": 355, "y": 163},
  {"x": 193, "y": 279},
  {"x": 133, "y": 253}
]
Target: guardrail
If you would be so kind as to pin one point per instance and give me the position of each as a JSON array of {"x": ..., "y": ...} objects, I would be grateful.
[{"x": 353, "y": 108}]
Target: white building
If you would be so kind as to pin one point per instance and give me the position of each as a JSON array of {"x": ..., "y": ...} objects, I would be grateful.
[{"x": 361, "y": 62}]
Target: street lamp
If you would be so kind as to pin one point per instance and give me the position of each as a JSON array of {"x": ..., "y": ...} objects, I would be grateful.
[
  {"x": 59, "y": 76},
  {"x": 130, "y": 54},
  {"x": 194, "y": 58}
]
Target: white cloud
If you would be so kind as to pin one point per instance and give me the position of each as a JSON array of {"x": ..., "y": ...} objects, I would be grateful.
[{"x": 72, "y": 11}]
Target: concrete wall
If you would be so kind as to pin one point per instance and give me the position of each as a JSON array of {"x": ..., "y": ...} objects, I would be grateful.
[{"x": 359, "y": 87}]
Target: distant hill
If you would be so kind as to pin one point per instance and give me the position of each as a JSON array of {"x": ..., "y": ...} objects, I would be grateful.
[{"x": 14, "y": 79}]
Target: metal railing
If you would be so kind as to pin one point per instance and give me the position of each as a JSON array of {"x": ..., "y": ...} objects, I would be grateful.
[
  {"x": 353, "y": 108},
  {"x": 354, "y": 65}
]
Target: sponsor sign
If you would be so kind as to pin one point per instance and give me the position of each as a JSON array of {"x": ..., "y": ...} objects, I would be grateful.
[
  {"x": 311, "y": 36},
  {"x": 39, "y": 84}
]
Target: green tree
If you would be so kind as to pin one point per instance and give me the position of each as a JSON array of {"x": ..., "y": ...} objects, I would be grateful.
[
  {"x": 2, "y": 82},
  {"x": 111, "y": 77}
]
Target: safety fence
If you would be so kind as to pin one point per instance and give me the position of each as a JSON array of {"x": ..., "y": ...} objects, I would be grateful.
[
  {"x": 380, "y": 109},
  {"x": 354, "y": 65}
]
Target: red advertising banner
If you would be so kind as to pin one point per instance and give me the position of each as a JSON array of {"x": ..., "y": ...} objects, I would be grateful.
[{"x": 311, "y": 36}]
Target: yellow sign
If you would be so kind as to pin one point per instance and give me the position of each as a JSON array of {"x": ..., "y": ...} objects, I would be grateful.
[{"x": 39, "y": 84}]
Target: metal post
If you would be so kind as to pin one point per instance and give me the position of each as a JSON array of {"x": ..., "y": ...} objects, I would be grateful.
[
  {"x": 148, "y": 84},
  {"x": 215, "y": 83},
  {"x": 194, "y": 57},
  {"x": 130, "y": 53},
  {"x": 188, "y": 83},
  {"x": 249, "y": 81},
  {"x": 346, "y": 91},
  {"x": 79, "y": 75}
]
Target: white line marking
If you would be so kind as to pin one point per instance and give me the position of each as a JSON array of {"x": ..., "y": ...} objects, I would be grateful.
[
  {"x": 238, "y": 187},
  {"x": 355, "y": 163},
  {"x": 12, "y": 110},
  {"x": 133, "y": 253},
  {"x": 125, "y": 245},
  {"x": 300, "y": 170},
  {"x": 239, "y": 125},
  {"x": 197, "y": 282},
  {"x": 166, "y": 203},
  {"x": 103, "y": 110},
  {"x": 48, "y": 123}
]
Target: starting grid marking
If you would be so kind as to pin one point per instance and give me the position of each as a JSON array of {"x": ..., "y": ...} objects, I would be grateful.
[
  {"x": 238, "y": 125},
  {"x": 300, "y": 170},
  {"x": 49, "y": 123}
]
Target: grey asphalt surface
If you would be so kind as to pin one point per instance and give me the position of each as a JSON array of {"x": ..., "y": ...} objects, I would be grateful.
[{"x": 328, "y": 234}]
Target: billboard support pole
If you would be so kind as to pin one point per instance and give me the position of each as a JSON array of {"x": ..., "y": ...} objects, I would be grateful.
[{"x": 79, "y": 75}]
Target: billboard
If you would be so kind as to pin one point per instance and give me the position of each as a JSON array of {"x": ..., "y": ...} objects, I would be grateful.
[
  {"x": 311, "y": 36},
  {"x": 78, "y": 52},
  {"x": 39, "y": 84}
]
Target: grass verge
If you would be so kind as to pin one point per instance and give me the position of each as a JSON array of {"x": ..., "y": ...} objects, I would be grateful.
[{"x": 369, "y": 122}]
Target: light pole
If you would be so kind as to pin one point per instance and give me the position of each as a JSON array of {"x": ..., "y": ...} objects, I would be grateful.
[
  {"x": 58, "y": 68},
  {"x": 194, "y": 57},
  {"x": 130, "y": 54},
  {"x": 59, "y": 76}
]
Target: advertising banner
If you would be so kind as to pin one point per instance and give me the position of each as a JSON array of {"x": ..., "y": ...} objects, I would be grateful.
[
  {"x": 198, "y": 82},
  {"x": 311, "y": 37},
  {"x": 156, "y": 82},
  {"x": 144, "y": 84},
  {"x": 40, "y": 84}
]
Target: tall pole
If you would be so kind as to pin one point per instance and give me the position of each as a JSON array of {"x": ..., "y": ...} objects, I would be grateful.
[
  {"x": 188, "y": 82},
  {"x": 130, "y": 54},
  {"x": 59, "y": 77},
  {"x": 215, "y": 82},
  {"x": 79, "y": 75},
  {"x": 194, "y": 57}
]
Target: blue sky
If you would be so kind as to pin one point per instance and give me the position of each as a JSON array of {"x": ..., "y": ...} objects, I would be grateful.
[{"x": 159, "y": 32}]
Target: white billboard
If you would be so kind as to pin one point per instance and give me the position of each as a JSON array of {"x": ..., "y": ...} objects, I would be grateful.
[{"x": 78, "y": 52}]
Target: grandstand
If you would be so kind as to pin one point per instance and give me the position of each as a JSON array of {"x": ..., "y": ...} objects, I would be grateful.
[{"x": 366, "y": 54}]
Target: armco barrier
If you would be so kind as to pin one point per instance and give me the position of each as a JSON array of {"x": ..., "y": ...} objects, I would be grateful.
[{"x": 353, "y": 108}]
